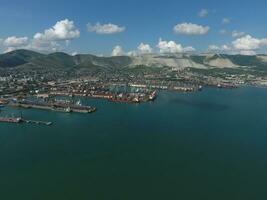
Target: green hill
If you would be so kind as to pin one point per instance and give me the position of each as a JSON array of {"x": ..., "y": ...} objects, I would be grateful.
[{"x": 18, "y": 57}]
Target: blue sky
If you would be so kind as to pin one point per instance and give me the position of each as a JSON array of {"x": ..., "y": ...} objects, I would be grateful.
[{"x": 135, "y": 22}]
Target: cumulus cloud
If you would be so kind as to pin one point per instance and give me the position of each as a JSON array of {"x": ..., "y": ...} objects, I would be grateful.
[
  {"x": 214, "y": 48},
  {"x": 246, "y": 45},
  {"x": 14, "y": 41},
  {"x": 141, "y": 49},
  {"x": 189, "y": 49},
  {"x": 191, "y": 29},
  {"x": 49, "y": 40},
  {"x": 223, "y": 48},
  {"x": 203, "y": 13},
  {"x": 249, "y": 43},
  {"x": 172, "y": 47},
  {"x": 117, "y": 51},
  {"x": 105, "y": 28},
  {"x": 132, "y": 53},
  {"x": 144, "y": 49},
  {"x": 226, "y": 20},
  {"x": 169, "y": 47},
  {"x": 237, "y": 34},
  {"x": 63, "y": 30},
  {"x": 226, "y": 47}
]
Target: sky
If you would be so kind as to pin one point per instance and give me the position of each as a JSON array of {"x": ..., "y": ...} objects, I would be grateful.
[{"x": 133, "y": 27}]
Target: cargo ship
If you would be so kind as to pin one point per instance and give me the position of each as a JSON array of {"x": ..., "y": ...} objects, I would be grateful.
[{"x": 124, "y": 99}]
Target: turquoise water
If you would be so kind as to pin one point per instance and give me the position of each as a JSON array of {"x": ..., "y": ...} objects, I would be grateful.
[{"x": 206, "y": 145}]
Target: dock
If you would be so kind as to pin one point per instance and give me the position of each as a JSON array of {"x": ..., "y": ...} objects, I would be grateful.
[{"x": 58, "y": 107}]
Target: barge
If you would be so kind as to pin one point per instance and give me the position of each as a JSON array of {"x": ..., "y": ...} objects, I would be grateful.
[{"x": 13, "y": 120}]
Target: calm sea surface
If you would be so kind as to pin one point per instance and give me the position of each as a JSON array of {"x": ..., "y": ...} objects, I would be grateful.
[{"x": 206, "y": 145}]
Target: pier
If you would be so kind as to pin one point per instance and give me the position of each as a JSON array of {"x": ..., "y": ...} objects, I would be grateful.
[{"x": 19, "y": 120}]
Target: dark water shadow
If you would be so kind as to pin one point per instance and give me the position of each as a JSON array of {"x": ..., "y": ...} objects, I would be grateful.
[{"x": 200, "y": 104}]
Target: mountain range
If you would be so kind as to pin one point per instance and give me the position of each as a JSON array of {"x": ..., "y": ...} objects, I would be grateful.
[{"x": 32, "y": 60}]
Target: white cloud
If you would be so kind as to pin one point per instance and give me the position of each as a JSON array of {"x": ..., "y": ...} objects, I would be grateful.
[
  {"x": 169, "y": 47},
  {"x": 141, "y": 49},
  {"x": 132, "y": 53},
  {"x": 191, "y": 29},
  {"x": 214, "y": 48},
  {"x": 223, "y": 48},
  {"x": 63, "y": 30},
  {"x": 172, "y": 47},
  {"x": 144, "y": 49},
  {"x": 15, "y": 41},
  {"x": 105, "y": 28},
  {"x": 203, "y": 13},
  {"x": 163, "y": 46},
  {"x": 237, "y": 34},
  {"x": 117, "y": 51},
  {"x": 223, "y": 31},
  {"x": 226, "y": 20},
  {"x": 264, "y": 42},
  {"x": 248, "y": 43},
  {"x": 226, "y": 48},
  {"x": 50, "y": 40},
  {"x": 189, "y": 49}
]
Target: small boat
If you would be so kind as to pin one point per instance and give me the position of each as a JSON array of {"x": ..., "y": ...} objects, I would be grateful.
[
  {"x": 67, "y": 110},
  {"x": 153, "y": 95}
]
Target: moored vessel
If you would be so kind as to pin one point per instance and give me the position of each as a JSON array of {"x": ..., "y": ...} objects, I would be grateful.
[{"x": 10, "y": 119}]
